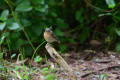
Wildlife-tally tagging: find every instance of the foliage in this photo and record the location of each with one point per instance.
(22, 22)
(48, 76)
(38, 59)
(103, 76)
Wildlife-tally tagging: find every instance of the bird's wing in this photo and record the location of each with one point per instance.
(54, 36)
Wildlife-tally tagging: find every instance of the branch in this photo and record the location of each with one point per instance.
(55, 55)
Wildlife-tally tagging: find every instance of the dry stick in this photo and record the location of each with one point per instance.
(92, 72)
(54, 54)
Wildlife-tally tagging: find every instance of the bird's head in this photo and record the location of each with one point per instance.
(47, 30)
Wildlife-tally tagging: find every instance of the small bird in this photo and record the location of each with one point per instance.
(49, 36)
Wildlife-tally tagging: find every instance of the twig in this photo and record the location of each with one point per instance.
(92, 72)
(103, 61)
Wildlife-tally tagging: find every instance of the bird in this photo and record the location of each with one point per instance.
(49, 36)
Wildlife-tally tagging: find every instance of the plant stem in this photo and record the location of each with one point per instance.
(36, 51)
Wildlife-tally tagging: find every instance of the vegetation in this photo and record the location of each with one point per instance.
(75, 22)
(23, 22)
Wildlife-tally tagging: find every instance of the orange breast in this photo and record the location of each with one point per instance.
(48, 37)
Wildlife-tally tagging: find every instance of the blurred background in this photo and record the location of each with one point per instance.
(78, 24)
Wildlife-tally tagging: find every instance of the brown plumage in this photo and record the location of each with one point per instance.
(49, 36)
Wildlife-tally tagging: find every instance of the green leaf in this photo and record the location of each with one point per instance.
(4, 35)
(71, 40)
(13, 26)
(2, 25)
(110, 3)
(24, 6)
(79, 16)
(103, 76)
(13, 55)
(61, 23)
(39, 2)
(25, 22)
(50, 77)
(4, 15)
(1, 56)
(117, 30)
(63, 47)
(42, 8)
(38, 59)
(17, 68)
(116, 17)
(54, 14)
(118, 47)
(45, 70)
(105, 14)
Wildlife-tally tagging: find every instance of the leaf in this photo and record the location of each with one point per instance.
(39, 2)
(61, 23)
(4, 15)
(50, 77)
(45, 70)
(17, 68)
(42, 8)
(117, 18)
(24, 6)
(4, 35)
(118, 47)
(110, 3)
(54, 14)
(1, 56)
(103, 76)
(2, 25)
(71, 40)
(63, 47)
(79, 16)
(38, 59)
(13, 26)
(105, 14)
(25, 22)
(117, 30)
(13, 55)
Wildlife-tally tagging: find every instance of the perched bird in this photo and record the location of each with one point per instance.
(49, 36)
